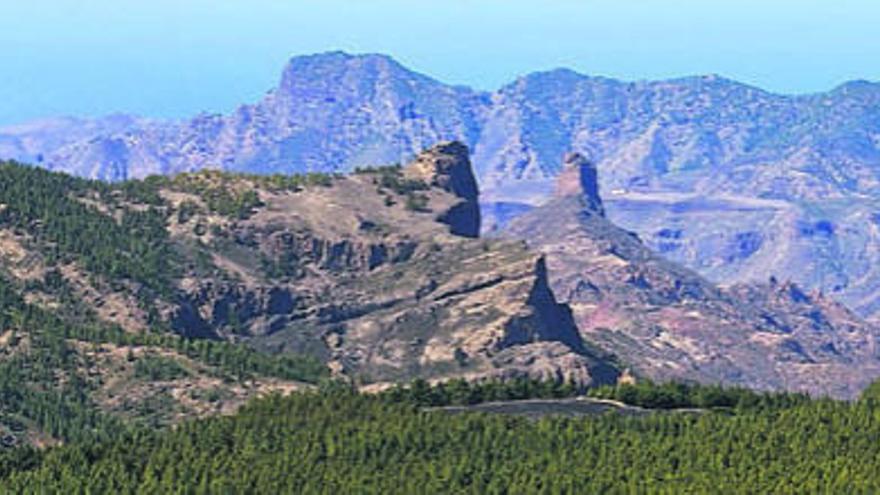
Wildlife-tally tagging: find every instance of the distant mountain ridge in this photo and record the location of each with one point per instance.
(517, 133)
(730, 180)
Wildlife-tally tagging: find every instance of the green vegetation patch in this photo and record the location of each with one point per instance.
(43, 380)
(152, 367)
(391, 178)
(123, 244)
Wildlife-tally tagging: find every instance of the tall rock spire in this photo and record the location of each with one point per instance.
(580, 178)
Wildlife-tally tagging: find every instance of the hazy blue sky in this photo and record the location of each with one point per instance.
(171, 58)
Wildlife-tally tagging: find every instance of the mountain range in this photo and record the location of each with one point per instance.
(734, 182)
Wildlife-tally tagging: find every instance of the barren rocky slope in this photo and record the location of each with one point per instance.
(668, 322)
(377, 274)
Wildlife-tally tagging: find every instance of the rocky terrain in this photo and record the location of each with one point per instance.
(385, 293)
(378, 274)
(380, 277)
(668, 322)
(729, 180)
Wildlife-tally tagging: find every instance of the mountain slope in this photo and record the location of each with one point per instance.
(377, 275)
(667, 322)
(330, 112)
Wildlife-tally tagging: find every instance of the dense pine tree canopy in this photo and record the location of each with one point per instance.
(338, 441)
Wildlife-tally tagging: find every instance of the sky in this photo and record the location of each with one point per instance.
(176, 58)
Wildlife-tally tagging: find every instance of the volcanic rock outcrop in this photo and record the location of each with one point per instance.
(667, 322)
(448, 167)
(580, 178)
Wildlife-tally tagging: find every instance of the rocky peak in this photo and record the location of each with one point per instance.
(447, 166)
(579, 177)
(303, 71)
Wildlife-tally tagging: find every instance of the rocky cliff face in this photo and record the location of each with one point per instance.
(668, 322)
(366, 272)
(732, 181)
(448, 167)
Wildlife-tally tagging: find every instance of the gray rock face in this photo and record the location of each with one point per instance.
(732, 181)
(579, 178)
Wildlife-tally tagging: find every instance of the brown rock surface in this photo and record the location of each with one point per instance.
(579, 178)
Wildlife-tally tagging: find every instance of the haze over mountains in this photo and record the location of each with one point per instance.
(734, 182)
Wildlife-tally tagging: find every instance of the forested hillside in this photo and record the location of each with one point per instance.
(338, 441)
(67, 373)
(63, 381)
